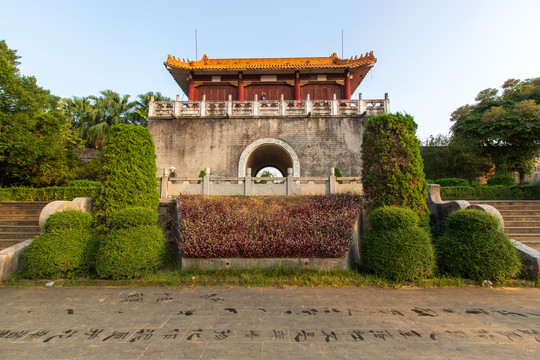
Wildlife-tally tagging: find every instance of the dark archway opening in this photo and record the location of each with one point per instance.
(269, 155)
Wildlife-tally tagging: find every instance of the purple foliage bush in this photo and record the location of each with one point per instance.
(266, 227)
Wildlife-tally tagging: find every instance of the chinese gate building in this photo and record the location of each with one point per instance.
(284, 113)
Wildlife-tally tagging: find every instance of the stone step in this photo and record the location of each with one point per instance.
(524, 238)
(10, 218)
(519, 212)
(29, 222)
(521, 229)
(19, 228)
(533, 222)
(510, 218)
(504, 202)
(18, 235)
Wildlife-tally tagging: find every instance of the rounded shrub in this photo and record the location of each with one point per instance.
(396, 247)
(473, 247)
(68, 219)
(502, 180)
(392, 168)
(134, 216)
(452, 182)
(131, 252)
(60, 253)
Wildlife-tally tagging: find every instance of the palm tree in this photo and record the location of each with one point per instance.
(140, 115)
(108, 110)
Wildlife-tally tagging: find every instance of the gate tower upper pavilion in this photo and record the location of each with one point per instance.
(253, 113)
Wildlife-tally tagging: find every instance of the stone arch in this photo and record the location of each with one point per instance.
(268, 152)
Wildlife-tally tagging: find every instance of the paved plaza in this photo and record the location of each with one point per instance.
(269, 323)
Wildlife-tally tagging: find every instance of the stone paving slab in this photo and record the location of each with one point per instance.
(269, 323)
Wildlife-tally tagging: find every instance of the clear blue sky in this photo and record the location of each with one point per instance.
(433, 56)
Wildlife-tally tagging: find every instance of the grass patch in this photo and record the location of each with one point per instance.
(271, 277)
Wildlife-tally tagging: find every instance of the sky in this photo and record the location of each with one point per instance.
(432, 56)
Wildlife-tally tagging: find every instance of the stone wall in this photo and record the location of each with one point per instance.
(320, 143)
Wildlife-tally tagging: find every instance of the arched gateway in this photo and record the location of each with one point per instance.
(254, 113)
(268, 152)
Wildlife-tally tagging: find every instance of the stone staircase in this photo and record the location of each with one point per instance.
(19, 221)
(521, 219)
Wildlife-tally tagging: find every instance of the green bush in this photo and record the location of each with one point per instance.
(392, 168)
(396, 247)
(68, 219)
(131, 252)
(473, 247)
(82, 183)
(502, 180)
(452, 182)
(522, 192)
(134, 216)
(129, 173)
(60, 253)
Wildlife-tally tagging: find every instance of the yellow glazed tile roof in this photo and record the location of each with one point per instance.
(331, 62)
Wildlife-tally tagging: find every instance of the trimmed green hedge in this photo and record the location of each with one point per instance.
(68, 219)
(134, 216)
(67, 248)
(131, 252)
(46, 194)
(523, 192)
(396, 247)
(473, 247)
(452, 182)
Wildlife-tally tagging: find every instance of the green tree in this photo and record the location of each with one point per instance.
(140, 114)
(392, 169)
(107, 110)
(505, 128)
(452, 157)
(36, 140)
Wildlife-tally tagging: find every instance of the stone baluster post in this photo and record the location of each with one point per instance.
(282, 106)
(151, 106)
(203, 105)
(229, 105)
(177, 106)
(332, 182)
(206, 182)
(361, 104)
(308, 104)
(335, 105)
(386, 103)
(256, 106)
(164, 184)
(248, 184)
(290, 182)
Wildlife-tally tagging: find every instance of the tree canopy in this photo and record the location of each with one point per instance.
(94, 115)
(505, 127)
(36, 140)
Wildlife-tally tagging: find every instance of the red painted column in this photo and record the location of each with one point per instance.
(240, 87)
(347, 89)
(297, 86)
(191, 91)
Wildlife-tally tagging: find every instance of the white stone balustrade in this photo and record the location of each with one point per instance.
(256, 186)
(203, 108)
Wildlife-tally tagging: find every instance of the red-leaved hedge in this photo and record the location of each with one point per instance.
(266, 227)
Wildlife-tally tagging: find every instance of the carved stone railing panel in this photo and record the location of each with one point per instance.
(176, 109)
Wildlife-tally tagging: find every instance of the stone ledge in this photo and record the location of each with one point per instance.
(529, 257)
(253, 263)
(11, 258)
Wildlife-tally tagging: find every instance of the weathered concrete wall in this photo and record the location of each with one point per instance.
(192, 144)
